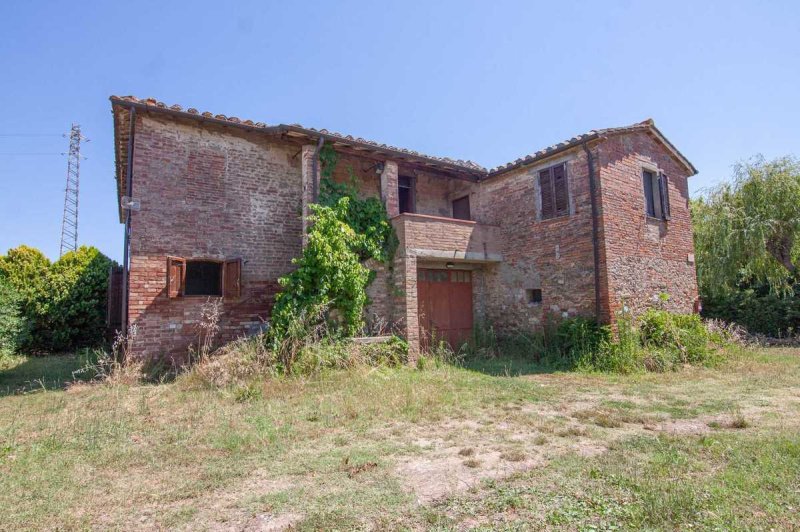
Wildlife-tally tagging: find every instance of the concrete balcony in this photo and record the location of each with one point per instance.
(438, 238)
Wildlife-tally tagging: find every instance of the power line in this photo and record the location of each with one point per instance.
(29, 153)
(31, 135)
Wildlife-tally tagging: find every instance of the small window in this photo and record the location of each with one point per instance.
(554, 191)
(461, 208)
(203, 278)
(656, 194)
(405, 192)
(533, 295)
(461, 276)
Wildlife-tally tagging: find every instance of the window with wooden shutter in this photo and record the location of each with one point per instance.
(664, 188)
(546, 188)
(649, 198)
(176, 273)
(560, 191)
(232, 279)
(554, 191)
(656, 194)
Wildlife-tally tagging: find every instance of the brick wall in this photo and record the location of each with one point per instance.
(644, 257)
(207, 193)
(555, 255)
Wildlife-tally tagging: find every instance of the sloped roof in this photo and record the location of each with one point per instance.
(120, 104)
(356, 142)
(646, 125)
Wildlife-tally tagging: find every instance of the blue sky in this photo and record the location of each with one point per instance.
(478, 80)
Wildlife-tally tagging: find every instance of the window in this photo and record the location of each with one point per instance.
(405, 191)
(460, 276)
(554, 191)
(533, 295)
(203, 277)
(461, 208)
(656, 194)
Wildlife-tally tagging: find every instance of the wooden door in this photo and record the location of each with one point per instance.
(445, 306)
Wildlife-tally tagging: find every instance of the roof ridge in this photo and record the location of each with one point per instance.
(467, 165)
(155, 103)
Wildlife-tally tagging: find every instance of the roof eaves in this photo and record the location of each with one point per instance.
(151, 104)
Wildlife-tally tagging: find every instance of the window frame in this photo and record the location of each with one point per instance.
(554, 192)
(466, 198)
(659, 194)
(176, 277)
(218, 262)
(412, 194)
(531, 296)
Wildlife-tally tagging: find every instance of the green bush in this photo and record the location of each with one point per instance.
(63, 302)
(329, 275)
(683, 336)
(13, 325)
(757, 309)
(657, 341)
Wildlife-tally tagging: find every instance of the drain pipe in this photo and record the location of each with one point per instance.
(595, 230)
(314, 166)
(126, 252)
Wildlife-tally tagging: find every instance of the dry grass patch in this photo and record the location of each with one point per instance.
(385, 448)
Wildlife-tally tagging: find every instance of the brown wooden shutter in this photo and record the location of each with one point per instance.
(176, 273)
(546, 189)
(232, 279)
(560, 190)
(664, 189)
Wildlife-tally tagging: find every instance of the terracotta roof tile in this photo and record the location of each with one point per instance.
(467, 165)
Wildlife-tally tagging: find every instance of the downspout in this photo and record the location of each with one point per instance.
(126, 250)
(595, 230)
(314, 167)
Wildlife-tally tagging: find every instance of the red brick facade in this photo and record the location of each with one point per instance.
(212, 191)
(213, 194)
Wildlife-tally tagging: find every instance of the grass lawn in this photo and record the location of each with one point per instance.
(496, 445)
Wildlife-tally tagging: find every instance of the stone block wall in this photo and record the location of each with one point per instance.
(554, 255)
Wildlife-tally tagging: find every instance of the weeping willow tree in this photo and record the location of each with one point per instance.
(747, 232)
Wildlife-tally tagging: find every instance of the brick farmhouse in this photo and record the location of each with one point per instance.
(215, 206)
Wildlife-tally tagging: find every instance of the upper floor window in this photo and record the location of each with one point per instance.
(656, 194)
(405, 193)
(554, 191)
(461, 208)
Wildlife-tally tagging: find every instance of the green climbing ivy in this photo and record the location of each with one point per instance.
(330, 280)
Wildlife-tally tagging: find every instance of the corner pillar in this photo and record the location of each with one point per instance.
(308, 181)
(406, 303)
(389, 192)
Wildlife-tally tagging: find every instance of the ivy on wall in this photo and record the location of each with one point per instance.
(330, 280)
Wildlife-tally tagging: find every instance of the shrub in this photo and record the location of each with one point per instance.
(63, 302)
(329, 275)
(13, 326)
(657, 341)
(683, 335)
(757, 310)
(77, 285)
(242, 361)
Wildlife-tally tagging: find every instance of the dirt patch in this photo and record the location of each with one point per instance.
(445, 472)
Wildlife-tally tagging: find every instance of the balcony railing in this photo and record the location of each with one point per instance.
(435, 237)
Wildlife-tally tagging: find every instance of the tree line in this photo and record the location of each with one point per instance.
(747, 243)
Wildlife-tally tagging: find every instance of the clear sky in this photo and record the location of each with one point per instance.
(487, 81)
